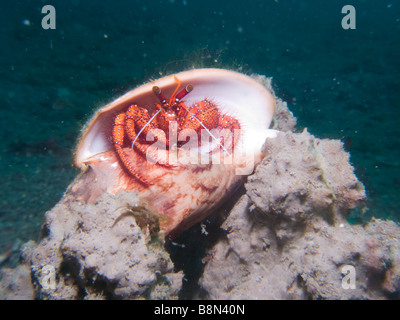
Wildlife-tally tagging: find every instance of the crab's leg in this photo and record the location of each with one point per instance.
(228, 122)
(205, 114)
(140, 117)
(202, 115)
(118, 141)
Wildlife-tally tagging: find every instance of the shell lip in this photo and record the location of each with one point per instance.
(212, 83)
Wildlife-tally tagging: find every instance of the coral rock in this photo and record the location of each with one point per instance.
(287, 238)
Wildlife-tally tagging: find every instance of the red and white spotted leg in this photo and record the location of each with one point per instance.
(118, 141)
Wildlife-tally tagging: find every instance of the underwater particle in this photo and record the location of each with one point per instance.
(26, 22)
(203, 229)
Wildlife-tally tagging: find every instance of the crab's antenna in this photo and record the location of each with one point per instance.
(171, 100)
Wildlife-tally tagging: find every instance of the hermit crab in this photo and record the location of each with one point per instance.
(184, 143)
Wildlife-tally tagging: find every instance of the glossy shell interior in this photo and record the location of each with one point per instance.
(183, 194)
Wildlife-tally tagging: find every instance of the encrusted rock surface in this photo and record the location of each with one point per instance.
(16, 283)
(287, 237)
(98, 251)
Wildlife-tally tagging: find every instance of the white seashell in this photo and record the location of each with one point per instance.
(184, 193)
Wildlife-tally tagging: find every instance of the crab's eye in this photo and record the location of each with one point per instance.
(160, 96)
(184, 92)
